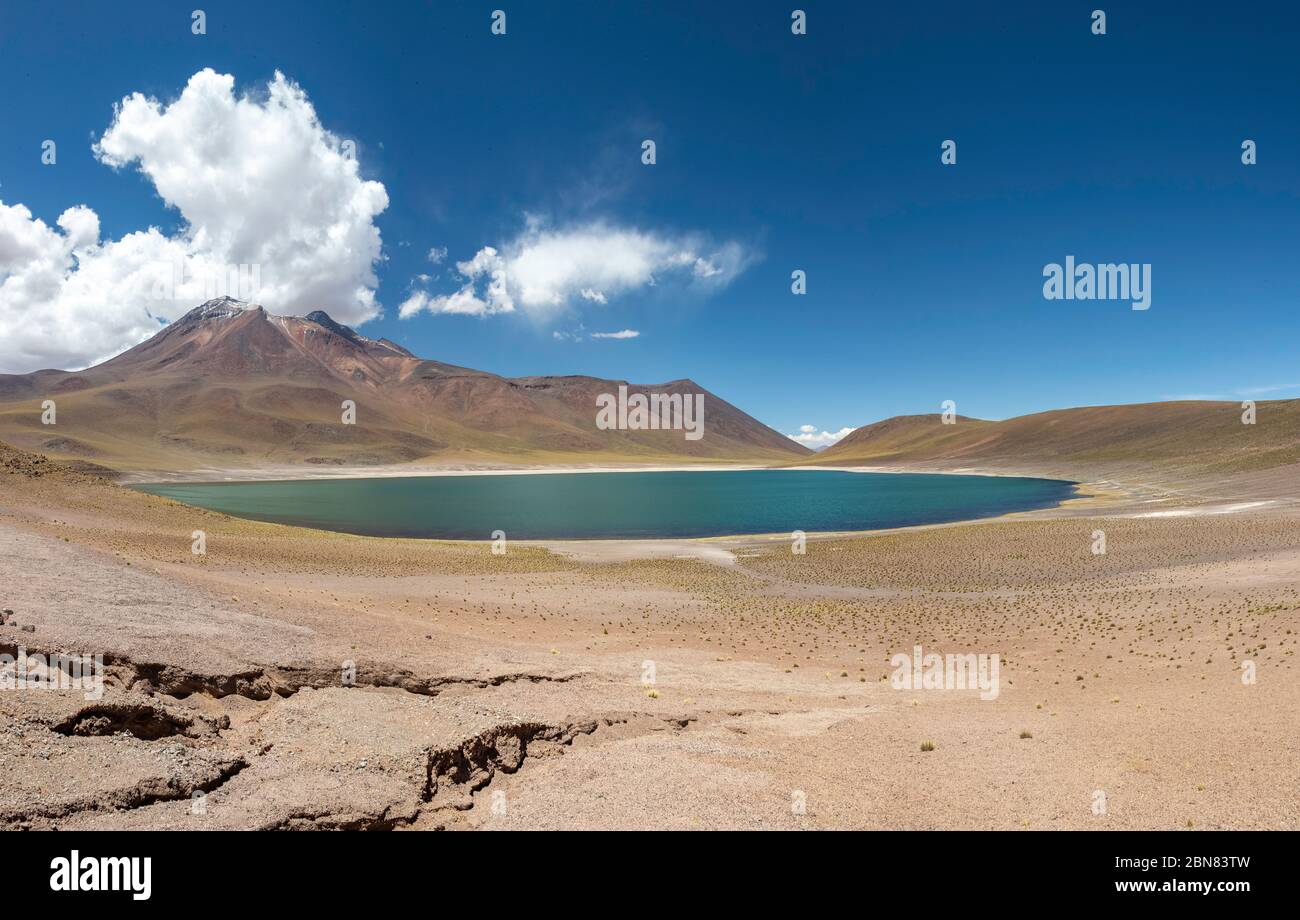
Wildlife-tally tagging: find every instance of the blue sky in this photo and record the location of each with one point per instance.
(818, 152)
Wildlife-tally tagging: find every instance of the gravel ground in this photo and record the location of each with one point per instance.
(295, 679)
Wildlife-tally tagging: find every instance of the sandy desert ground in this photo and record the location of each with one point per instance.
(510, 691)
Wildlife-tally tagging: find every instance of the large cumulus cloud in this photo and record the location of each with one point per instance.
(273, 207)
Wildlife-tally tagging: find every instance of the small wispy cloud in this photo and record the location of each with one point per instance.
(1276, 388)
(621, 334)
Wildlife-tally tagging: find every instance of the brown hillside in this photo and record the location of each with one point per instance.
(1203, 439)
(230, 385)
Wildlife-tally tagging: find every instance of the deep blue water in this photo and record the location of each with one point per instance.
(622, 505)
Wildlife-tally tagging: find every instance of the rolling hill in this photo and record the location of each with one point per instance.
(1193, 439)
(230, 385)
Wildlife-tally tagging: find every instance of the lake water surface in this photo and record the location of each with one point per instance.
(621, 505)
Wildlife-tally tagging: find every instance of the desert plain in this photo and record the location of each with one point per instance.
(297, 679)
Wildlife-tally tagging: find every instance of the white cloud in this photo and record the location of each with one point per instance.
(437, 254)
(579, 333)
(543, 270)
(1275, 388)
(258, 182)
(809, 436)
(413, 305)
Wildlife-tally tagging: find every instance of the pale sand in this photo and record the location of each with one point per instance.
(516, 681)
(1202, 510)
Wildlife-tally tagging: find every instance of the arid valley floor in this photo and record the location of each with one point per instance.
(506, 691)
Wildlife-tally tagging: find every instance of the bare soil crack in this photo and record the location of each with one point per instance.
(145, 721)
(455, 773)
(263, 683)
(152, 791)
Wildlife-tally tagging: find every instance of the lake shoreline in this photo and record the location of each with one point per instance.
(753, 504)
(299, 474)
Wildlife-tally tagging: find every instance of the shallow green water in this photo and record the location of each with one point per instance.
(614, 505)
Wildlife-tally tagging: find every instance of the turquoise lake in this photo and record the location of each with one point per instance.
(621, 505)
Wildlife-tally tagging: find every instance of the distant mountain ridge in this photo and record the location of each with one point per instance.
(229, 384)
(1200, 439)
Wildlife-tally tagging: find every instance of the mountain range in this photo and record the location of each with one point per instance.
(231, 385)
